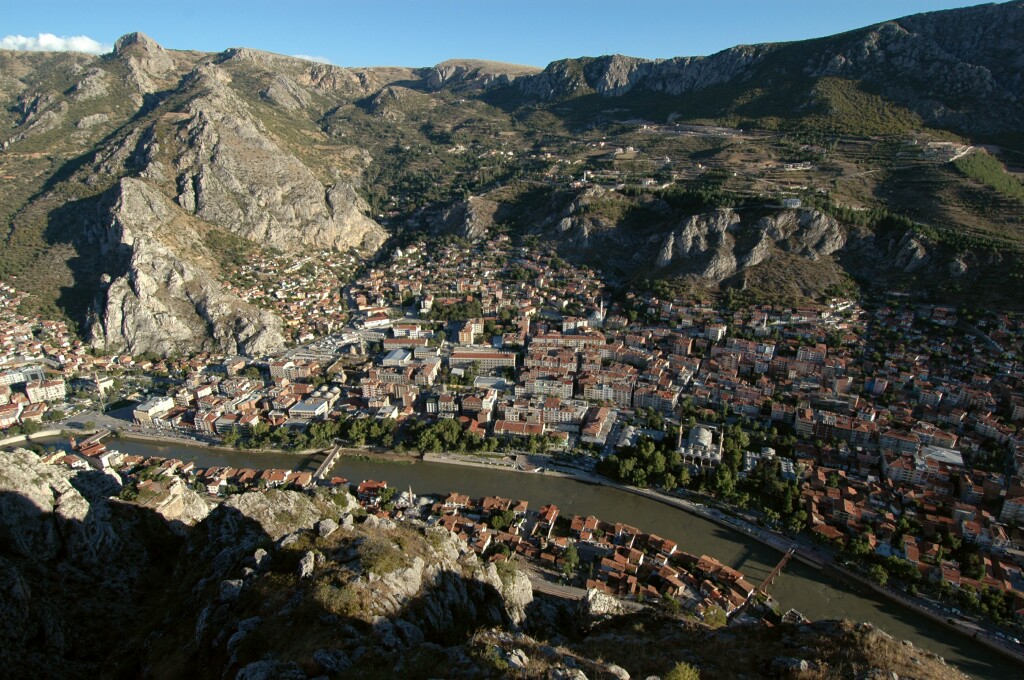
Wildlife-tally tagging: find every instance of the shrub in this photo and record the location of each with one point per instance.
(341, 600)
(683, 671)
(380, 556)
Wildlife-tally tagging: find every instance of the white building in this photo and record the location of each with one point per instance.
(45, 390)
(700, 449)
(157, 406)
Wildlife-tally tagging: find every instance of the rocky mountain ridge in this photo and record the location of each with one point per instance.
(132, 177)
(956, 68)
(795, 252)
(198, 158)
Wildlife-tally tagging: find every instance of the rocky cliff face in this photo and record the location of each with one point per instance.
(952, 61)
(151, 68)
(795, 252)
(69, 555)
(716, 246)
(470, 219)
(230, 173)
(177, 125)
(617, 75)
(473, 74)
(160, 300)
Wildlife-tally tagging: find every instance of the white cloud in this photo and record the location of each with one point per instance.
(320, 60)
(48, 42)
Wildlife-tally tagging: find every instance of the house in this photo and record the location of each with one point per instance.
(369, 491)
(546, 517)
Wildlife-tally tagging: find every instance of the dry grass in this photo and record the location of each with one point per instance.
(833, 650)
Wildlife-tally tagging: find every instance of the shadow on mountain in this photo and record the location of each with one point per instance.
(73, 583)
(238, 606)
(106, 589)
(77, 225)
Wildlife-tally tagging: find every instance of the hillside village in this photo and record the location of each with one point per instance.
(885, 428)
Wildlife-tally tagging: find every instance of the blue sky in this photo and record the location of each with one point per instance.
(424, 32)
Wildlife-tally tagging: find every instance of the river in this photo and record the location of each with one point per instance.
(799, 586)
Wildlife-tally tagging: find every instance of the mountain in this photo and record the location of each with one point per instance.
(957, 69)
(136, 184)
(285, 584)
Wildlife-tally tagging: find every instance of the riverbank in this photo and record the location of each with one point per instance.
(962, 627)
(22, 438)
(187, 441)
(773, 541)
(379, 456)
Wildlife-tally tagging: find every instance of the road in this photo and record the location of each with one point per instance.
(984, 633)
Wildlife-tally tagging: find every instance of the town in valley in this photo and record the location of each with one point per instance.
(876, 433)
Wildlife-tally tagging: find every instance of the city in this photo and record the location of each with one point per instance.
(851, 428)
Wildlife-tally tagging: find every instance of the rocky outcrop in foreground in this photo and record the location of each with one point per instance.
(283, 584)
(74, 566)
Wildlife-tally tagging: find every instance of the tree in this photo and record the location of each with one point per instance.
(858, 547)
(715, 617)
(570, 561)
(502, 520)
(231, 437)
(878, 574)
(53, 416)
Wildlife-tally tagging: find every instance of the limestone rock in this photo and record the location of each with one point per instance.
(307, 564)
(179, 505)
(474, 74)
(149, 64)
(326, 527)
(566, 674)
(233, 174)
(518, 660)
(262, 558)
(470, 219)
(286, 93)
(275, 512)
(271, 670)
(374, 522)
(332, 661)
(162, 302)
(92, 120)
(597, 606)
(617, 671)
(93, 84)
(230, 590)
